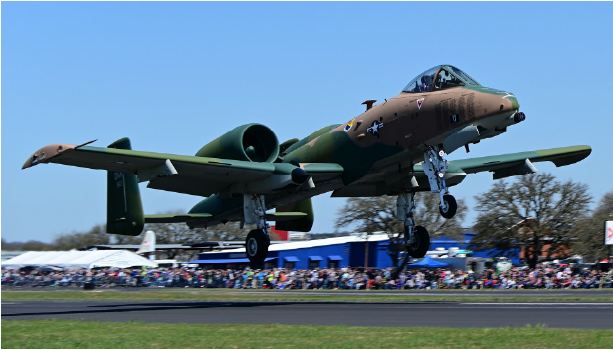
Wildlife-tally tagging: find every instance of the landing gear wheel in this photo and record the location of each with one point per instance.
(421, 242)
(451, 206)
(257, 246)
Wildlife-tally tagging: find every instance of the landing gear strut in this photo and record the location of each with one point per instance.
(254, 210)
(435, 167)
(416, 238)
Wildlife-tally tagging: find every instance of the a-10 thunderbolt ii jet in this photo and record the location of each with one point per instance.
(394, 148)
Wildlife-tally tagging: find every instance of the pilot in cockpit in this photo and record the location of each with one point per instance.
(426, 83)
(446, 80)
(439, 78)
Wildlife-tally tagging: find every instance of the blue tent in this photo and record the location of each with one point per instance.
(428, 262)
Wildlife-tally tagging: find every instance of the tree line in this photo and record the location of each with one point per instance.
(538, 212)
(547, 217)
(165, 234)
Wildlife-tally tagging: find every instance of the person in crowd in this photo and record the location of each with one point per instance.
(542, 277)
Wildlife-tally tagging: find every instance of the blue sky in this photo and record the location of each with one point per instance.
(174, 76)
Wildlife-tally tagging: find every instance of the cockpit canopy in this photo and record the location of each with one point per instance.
(439, 78)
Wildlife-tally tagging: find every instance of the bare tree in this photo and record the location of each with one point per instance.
(533, 212)
(378, 214)
(122, 239)
(175, 233)
(231, 232)
(168, 233)
(179, 233)
(590, 230)
(29, 245)
(96, 235)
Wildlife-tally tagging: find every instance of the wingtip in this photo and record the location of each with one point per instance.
(582, 148)
(587, 148)
(45, 154)
(572, 155)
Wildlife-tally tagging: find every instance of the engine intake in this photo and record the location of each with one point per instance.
(249, 142)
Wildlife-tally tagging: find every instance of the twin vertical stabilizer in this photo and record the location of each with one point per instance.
(124, 207)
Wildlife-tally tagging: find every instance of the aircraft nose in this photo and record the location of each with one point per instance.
(508, 103)
(511, 98)
(511, 104)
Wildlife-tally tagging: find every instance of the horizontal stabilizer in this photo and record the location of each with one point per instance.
(157, 219)
(285, 216)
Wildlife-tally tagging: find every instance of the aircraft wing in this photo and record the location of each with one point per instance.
(200, 176)
(501, 165)
(521, 163)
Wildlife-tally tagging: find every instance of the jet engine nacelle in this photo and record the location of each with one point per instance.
(249, 142)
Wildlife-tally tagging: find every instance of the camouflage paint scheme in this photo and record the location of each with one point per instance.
(376, 153)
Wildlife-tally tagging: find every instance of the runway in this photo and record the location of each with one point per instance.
(457, 315)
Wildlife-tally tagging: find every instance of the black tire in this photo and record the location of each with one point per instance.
(421, 243)
(256, 246)
(451, 204)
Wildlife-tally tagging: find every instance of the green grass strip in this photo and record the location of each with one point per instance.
(71, 334)
(318, 297)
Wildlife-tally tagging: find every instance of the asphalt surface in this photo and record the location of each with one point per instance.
(458, 315)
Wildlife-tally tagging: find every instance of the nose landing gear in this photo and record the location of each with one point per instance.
(448, 207)
(435, 167)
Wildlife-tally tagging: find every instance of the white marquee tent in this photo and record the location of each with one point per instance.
(80, 259)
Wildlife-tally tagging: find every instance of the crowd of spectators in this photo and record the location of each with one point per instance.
(542, 277)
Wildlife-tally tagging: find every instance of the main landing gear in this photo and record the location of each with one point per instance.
(257, 240)
(416, 238)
